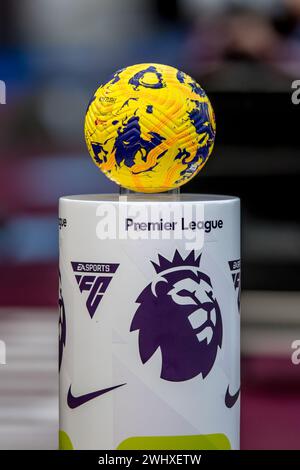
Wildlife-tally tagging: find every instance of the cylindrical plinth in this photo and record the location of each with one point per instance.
(149, 350)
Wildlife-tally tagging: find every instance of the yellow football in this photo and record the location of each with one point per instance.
(150, 128)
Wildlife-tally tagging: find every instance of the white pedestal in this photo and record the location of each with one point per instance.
(149, 321)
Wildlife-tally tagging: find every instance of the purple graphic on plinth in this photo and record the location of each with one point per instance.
(235, 268)
(76, 401)
(179, 314)
(93, 278)
(62, 326)
(230, 400)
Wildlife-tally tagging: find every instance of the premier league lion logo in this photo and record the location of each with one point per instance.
(179, 314)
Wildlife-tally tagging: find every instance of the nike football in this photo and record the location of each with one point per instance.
(150, 128)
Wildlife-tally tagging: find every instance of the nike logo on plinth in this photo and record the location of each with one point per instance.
(230, 400)
(74, 402)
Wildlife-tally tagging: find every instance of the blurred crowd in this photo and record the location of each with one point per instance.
(245, 53)
(54, 53)
(247, 47)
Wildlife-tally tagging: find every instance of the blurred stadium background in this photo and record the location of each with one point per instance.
(53, 54)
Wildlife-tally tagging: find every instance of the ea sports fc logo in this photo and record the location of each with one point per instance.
(93, 278)
(179, 314)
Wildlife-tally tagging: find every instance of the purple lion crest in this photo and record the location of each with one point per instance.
(179, 314)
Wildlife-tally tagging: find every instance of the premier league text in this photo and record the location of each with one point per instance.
(62, 222)
(160, 225)
(156, 221)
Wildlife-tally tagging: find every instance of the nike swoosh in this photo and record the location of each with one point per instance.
(230, 400)
(74, 402)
